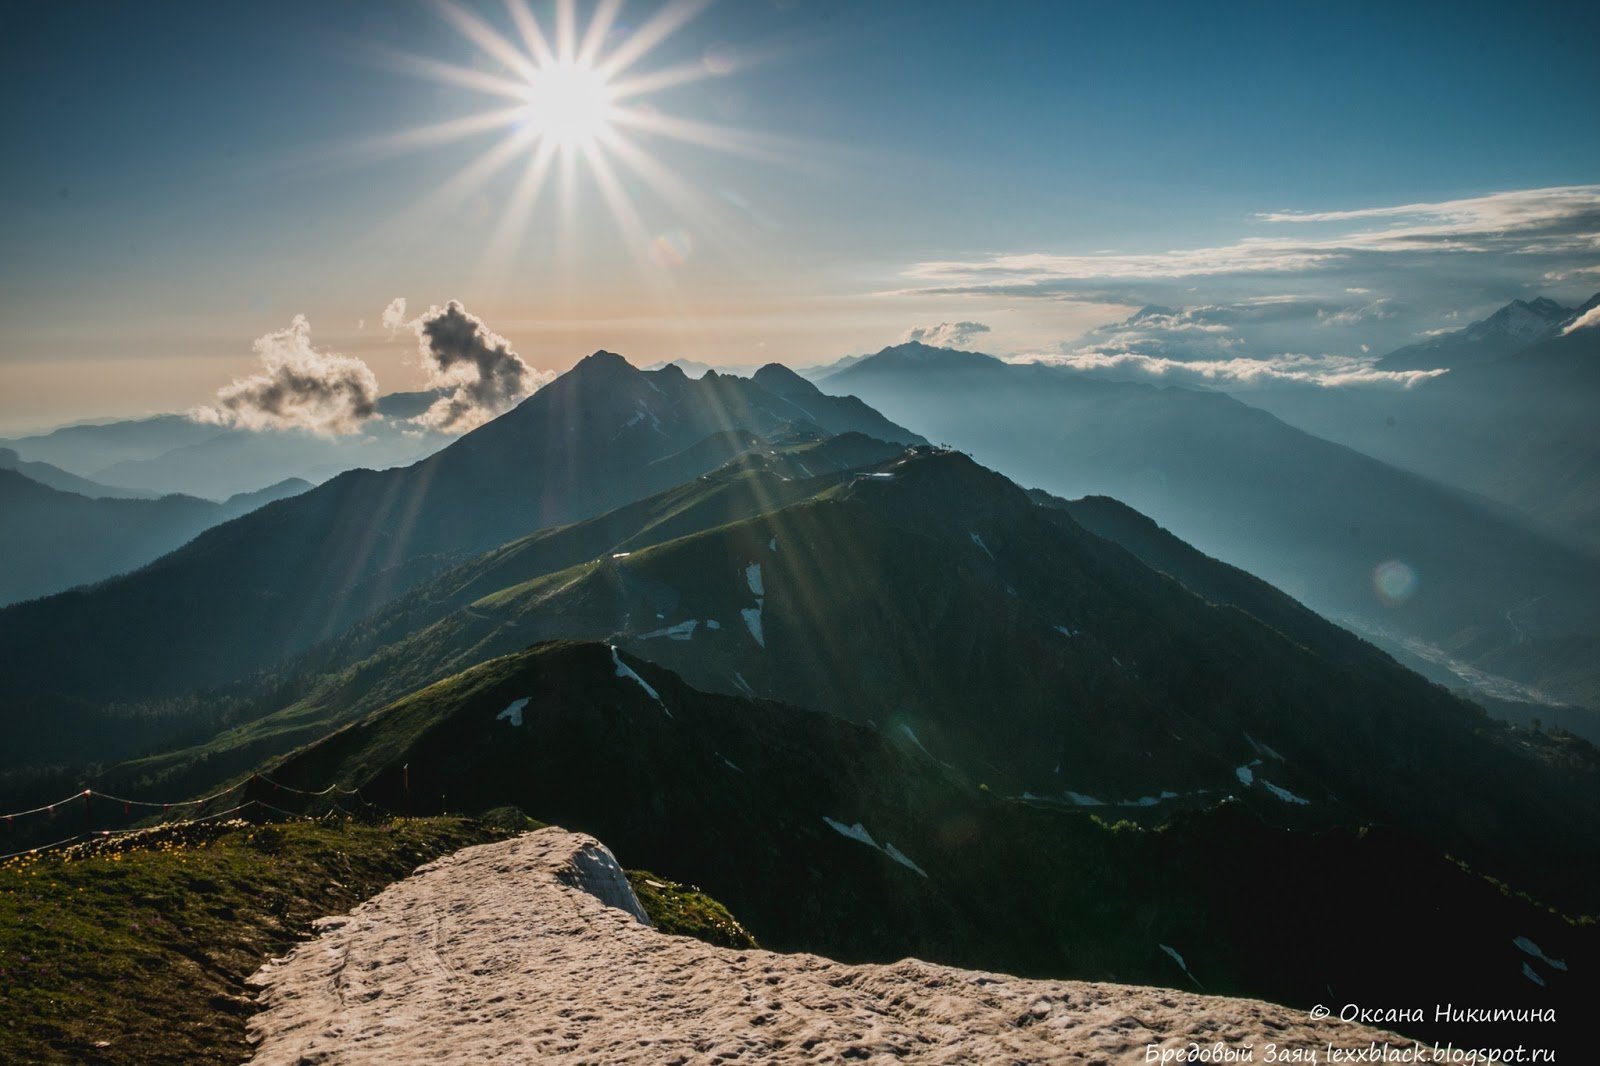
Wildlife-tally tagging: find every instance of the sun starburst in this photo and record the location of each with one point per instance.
(574, 105)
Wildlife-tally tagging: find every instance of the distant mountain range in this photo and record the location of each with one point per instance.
(1319, 520)
(175, 454)
(65, 481)
(51, 540)
(1513, 420)
(1510, 329)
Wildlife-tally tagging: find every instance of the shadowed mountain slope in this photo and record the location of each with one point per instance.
(828, 836)
(52, 540)
(1002, 641)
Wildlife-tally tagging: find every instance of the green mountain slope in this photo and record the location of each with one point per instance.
(999, 640)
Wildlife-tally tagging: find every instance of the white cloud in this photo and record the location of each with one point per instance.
(1318, 370)
(945, 334)
(299, 387)
(1552, 224)
(1588, 320)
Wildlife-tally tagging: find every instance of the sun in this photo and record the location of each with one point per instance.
(573, 106)
(570, 104)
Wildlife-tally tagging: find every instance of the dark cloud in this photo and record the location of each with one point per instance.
(483, 376)
(299, 387)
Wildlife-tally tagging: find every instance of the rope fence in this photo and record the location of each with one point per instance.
(17, 820)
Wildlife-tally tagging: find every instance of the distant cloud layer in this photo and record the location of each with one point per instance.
(299, 387)
(1331, 282)
(1319, 370)
(461, 354)
(945, 334)
(1557, 222)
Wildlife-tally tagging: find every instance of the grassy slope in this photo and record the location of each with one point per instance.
(137, 951)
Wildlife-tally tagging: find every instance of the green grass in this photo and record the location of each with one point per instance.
(137, 950)
(686, 911)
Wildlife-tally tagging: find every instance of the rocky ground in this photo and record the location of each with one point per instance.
(534, 949)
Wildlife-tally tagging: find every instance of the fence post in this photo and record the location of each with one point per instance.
(88, 813)
(405, 784)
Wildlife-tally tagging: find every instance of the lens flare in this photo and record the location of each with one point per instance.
(1394, 582)
(671, 249)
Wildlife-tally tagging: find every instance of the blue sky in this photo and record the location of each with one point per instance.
(185, 178)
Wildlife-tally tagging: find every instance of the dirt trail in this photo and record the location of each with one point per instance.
(505, 953)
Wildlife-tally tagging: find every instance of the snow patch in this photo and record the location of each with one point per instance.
(979, 542)
(681, 631)
(1149, 801)
(752, 622)
(1285, 795)
(620, 555)
(1245, 774)
(514, 712)
(1080, 800)
(1067, 632)
(900, 857)
(1528, 972)
(1184, 966)
(624, 670)
(772, 545)
(744, 686)
(712, 623)
(1263, 749)
(752, 577)
(1530, 948)
(729, 763)
(908, 731)
(856, 832)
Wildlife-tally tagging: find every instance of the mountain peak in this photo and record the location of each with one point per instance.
(782, 381)
(603, 358)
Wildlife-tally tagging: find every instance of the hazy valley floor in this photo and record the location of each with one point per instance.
(505, 952)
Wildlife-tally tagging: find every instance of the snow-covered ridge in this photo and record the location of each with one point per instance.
(501, 954)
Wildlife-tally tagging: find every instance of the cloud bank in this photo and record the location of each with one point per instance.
(299, 387)
(1588, 320)
(1323, 371)
(1556, 222)
(944, 334)
(459, 353)
(1316, 281)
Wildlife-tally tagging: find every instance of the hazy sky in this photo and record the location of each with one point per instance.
(181, 179)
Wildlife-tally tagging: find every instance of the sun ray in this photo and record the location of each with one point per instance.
(435, 134)
(468, 180)
(486, 37)
(518, 214)
(680, 194)
(449, 73)
(729, 139)
(657, 28)
(566, 31)
(532, 35)
(668, 78)
(594, 38)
